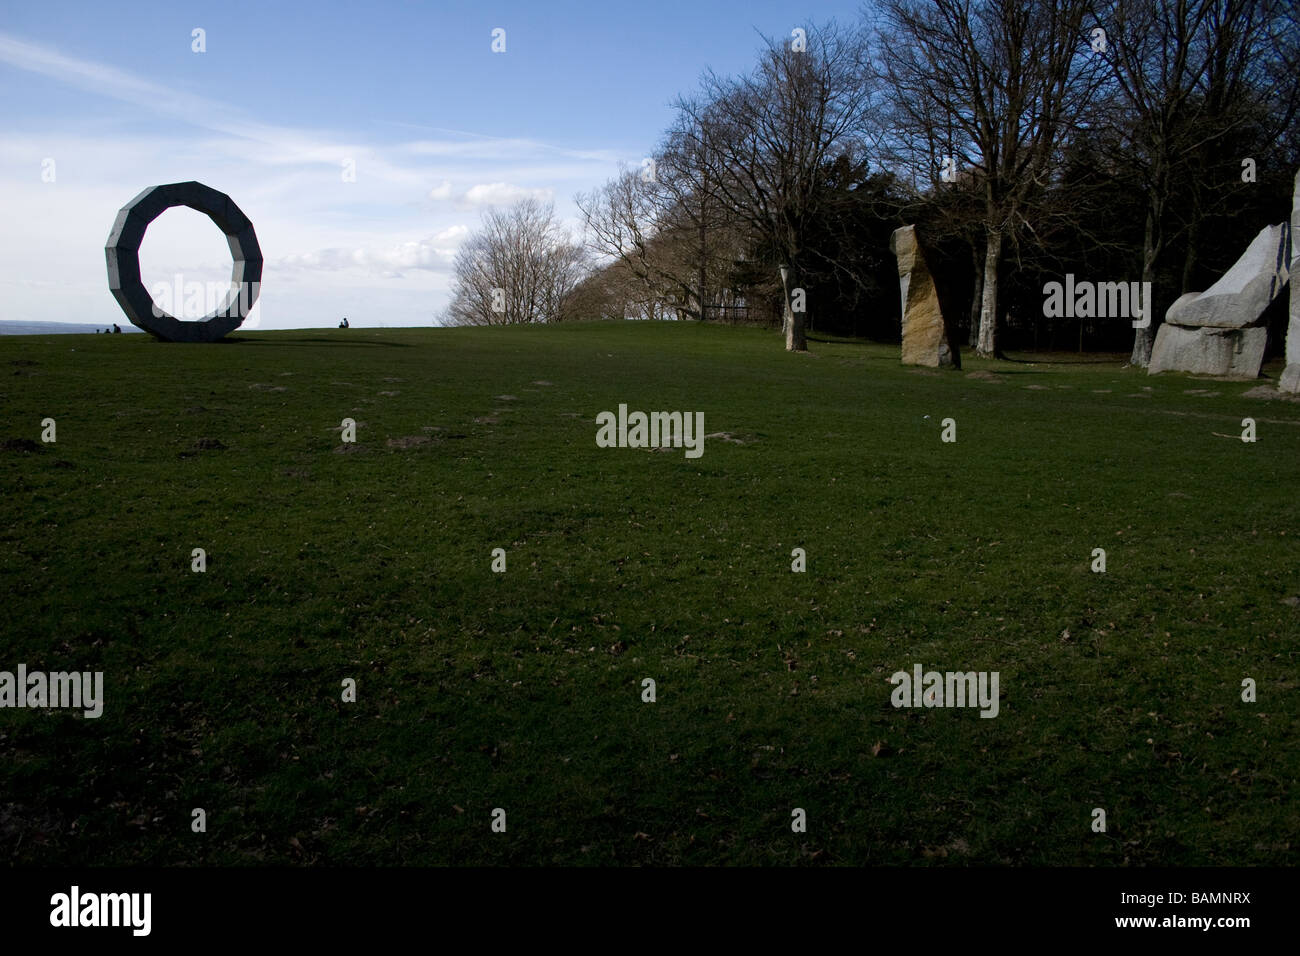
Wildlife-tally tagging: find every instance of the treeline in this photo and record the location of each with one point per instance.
(1115, 140)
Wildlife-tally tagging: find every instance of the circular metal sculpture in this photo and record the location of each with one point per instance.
(123, 255)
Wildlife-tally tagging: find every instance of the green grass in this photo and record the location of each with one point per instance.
(523, 690)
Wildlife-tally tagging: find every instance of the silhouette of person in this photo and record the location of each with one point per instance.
(116, 328)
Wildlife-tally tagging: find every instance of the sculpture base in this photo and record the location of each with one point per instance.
(1234, 353)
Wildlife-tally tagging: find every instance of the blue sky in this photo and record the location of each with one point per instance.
(437, 127)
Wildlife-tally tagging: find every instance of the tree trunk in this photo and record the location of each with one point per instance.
(795, 341)
(987, 347)
(1190, 261)
(976, 295)
(700, 290)
(1143, 339)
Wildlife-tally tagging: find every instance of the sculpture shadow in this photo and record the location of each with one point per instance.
(1021, 357)
(317, 340)
(828, 339)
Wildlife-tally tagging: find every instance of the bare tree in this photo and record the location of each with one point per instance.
(760, 145)
(620, 222)
(996, 85)
(710, 236)
(1188, 76)
(519, 268)
(659, 230)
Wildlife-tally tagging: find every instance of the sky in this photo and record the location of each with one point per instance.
(363, 140)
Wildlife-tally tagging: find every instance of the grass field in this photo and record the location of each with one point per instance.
(523, 691)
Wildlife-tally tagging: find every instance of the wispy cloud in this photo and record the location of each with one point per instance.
(434, 254)
(401, 217)
(489, 194)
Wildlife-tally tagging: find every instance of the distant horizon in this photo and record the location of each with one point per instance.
(69, 327)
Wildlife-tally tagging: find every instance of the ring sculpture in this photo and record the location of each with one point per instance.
(123, 255)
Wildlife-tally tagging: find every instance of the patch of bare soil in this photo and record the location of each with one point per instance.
(409, 441)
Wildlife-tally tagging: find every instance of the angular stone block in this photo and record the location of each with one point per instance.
(1242, 294)
(1237, 353)
(122, 256)
(1290, 381)
(925, 334)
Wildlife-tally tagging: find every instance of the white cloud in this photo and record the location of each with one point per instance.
(432, 253)
(503, 194)
(488, 194)
(452, 237)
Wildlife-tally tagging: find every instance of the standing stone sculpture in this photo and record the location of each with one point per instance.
(123, 256)
(1220, 331)
(1290, 381)
(925, 334)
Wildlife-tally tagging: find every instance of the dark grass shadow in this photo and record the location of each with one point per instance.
(827, 339)
(317, 340)
(1003, 369)
(1065, 359)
